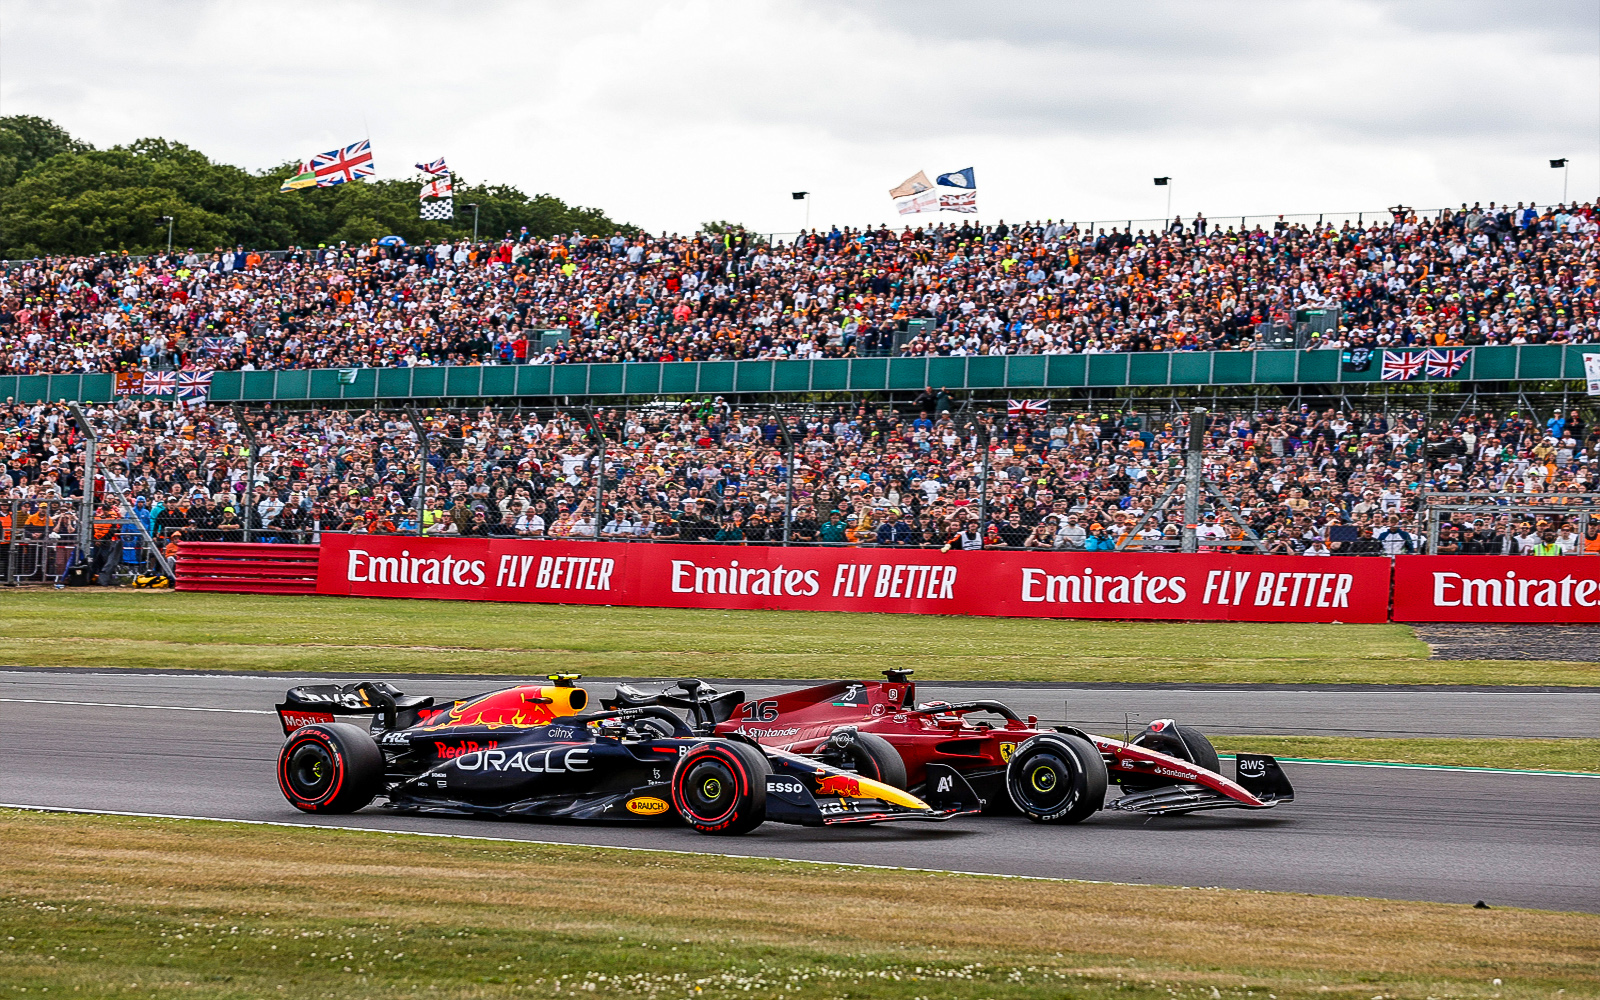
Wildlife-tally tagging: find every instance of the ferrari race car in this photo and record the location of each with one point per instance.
(532, 751)
(1055, 774)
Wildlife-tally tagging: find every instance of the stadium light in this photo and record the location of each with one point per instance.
(168, 220)
(1561, 165)
(1166, 182)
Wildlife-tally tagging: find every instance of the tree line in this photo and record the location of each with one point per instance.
(60, 195)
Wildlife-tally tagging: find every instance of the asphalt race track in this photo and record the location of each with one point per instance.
(78, 740)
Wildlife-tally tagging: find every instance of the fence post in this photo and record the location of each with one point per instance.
(984, 438)
(1191, 480)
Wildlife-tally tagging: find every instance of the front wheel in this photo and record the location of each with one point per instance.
(1056, 778)
(330, 767)
(721, 788)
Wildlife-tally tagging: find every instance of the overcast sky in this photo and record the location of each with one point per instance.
(667, 114)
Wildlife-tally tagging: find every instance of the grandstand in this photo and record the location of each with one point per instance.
(839, 388)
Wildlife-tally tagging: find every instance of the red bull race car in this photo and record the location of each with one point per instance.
(532, 751)
(1056, 774)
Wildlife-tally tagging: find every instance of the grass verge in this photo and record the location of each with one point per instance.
(1530, 754)
(248, 632)
(109, 906)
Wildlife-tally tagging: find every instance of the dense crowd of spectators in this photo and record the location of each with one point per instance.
(1495, 275)
(933, 475)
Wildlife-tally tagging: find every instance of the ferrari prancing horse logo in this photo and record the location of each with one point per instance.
(1006, 750)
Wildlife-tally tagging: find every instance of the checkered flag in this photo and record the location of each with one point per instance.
(444, 208)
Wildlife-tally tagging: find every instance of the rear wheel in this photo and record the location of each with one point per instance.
(867, 754)
(331, 767)
(1056, 778)
(722, 787)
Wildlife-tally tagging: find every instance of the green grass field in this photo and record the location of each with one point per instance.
(116, 907)
(238, 632)
(1524, 755)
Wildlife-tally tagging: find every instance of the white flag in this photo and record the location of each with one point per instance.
(927, 201)
(1591, 373)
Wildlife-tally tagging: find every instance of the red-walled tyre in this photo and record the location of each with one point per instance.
(721, 788)
(330, 767)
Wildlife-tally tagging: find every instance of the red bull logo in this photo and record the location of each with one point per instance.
(445, 751)
(839, 784)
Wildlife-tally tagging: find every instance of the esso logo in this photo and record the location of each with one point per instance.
(787, 786)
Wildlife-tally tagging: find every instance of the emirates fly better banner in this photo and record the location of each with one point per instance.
(1496, 589)
(1042, 584)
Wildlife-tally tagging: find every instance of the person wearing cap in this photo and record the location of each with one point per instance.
(1099, 539)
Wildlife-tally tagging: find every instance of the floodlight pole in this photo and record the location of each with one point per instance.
(168, 220)
(1191, 480)
(474, 206)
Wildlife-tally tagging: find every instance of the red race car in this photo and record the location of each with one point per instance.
(1057, 774)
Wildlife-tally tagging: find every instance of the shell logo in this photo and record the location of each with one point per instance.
(647, 805)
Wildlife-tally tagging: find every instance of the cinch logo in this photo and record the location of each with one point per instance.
(364, 567)
(1451, 590)
(687, 578)
(647, 805)
(1039, 586)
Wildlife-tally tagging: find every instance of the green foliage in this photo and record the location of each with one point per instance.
(720, 227)
(26, 142)
(58, 195)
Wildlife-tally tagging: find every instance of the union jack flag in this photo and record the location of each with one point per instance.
(1027, 407)
(194, 385)
(1444, 363)
(436, 167)
(341, 166)
(159, 383)
(215, 345)
(1398, 367)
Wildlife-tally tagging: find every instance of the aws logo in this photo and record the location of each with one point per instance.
(647, 805)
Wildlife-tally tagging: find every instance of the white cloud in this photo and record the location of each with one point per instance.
(671, 113)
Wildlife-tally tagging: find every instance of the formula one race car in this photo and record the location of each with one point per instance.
(1049, 775)
(531, 751)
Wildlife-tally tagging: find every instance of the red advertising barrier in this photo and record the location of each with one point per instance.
(1496, 589)
(1038, 584)
(246, 568)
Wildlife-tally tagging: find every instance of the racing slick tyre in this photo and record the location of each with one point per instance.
(722, 787)
(1056, 778)
(330, 767)
(1183, 742)
(868, 755)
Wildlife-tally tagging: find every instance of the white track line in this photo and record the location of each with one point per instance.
(162, 708)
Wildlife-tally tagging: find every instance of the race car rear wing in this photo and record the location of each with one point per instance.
(313, 703)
